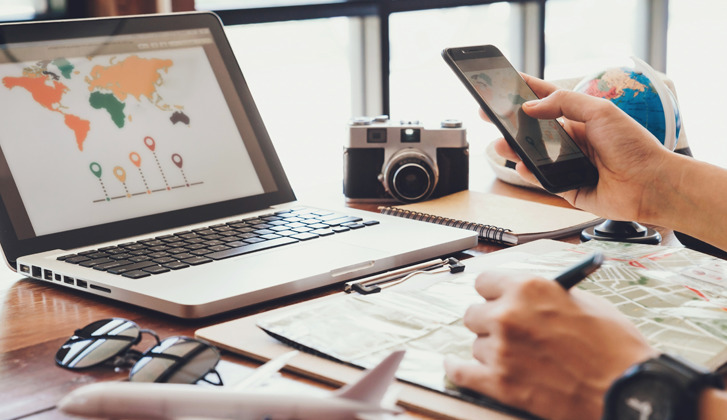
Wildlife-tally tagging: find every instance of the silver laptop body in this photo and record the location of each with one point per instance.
(127, 142)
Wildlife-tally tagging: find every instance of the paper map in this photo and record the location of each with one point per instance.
(675, 296)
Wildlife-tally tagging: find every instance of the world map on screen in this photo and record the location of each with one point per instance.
(111, 85)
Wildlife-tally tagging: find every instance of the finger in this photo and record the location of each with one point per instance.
(483, 351)
(571, 196)
(503, 149)
(562, 103)
(484, 116)
(476, 318)
(525, 174)
(492, 284)
(471, 375)
(539, 86)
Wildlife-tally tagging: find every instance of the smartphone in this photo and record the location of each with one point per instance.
(543, 145)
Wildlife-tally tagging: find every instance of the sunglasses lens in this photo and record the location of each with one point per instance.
(97, 342)
(176, 360)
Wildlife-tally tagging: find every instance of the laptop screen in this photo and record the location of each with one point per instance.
(121, 122)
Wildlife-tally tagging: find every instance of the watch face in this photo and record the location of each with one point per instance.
(647, 398)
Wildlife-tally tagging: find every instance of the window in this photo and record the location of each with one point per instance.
(21, 9)
(312, 65)
(696, 62)
(299, 75)
(422, 85)
(584, 36)
(581, 37)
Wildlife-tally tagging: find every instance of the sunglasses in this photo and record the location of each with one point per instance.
(173, 360)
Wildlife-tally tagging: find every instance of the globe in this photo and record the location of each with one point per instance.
(640, 93)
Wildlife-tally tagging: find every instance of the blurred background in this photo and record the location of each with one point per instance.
(313, 65)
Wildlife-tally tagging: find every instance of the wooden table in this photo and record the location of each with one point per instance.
(36, 318)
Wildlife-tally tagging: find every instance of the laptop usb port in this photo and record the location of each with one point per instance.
(24, 269)
(67, 280)
(81, 283)
(48, 275)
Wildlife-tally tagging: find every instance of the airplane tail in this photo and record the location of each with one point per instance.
(372, 387)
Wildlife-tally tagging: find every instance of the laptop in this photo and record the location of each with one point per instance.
(135, 166)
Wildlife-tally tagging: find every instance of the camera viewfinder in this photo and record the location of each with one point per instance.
(410, 135)
(376, 135)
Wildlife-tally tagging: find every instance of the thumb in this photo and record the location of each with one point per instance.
(564, 103)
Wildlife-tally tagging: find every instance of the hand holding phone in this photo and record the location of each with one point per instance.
(543, 145)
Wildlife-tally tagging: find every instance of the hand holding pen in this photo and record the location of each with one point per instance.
(526, 323)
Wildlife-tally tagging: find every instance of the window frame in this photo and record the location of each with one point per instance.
(372, 38)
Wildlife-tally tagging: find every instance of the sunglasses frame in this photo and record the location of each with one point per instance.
(126, 354)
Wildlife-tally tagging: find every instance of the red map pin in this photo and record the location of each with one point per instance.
(177, 159)
(150, 143)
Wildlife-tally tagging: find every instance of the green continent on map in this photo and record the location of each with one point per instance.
(113, 106)
(64, 66)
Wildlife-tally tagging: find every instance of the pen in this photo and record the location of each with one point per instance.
(374, 283)
(580, 271)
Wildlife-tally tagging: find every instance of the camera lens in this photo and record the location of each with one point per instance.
(409, 176)
(411, 181)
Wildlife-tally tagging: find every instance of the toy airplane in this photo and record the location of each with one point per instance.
(133, 400)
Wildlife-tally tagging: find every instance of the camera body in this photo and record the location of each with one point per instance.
(384, 161)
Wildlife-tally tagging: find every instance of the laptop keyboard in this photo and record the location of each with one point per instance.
(200, 246)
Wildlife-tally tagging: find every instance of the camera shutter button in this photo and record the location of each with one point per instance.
(361, 121)
(451, 124)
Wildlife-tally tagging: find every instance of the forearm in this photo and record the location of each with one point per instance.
(713, 404)
(690, 196)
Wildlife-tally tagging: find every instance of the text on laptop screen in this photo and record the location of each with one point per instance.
(108, 128)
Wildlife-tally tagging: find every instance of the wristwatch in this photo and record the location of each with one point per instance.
(663, 388)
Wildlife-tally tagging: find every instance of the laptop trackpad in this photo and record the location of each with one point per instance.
(308, 264)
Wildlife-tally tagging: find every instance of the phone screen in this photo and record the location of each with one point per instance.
(543, 145)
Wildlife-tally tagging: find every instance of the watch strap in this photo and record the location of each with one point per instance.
(689, 378)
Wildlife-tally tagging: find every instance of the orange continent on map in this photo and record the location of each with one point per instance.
(80, 128)
(49, 96)
(133, 76)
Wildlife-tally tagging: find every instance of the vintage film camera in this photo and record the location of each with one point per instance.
(406, 162)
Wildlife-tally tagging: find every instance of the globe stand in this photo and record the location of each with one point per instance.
(619, 231)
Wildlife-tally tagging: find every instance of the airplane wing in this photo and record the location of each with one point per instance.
(264, 372)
